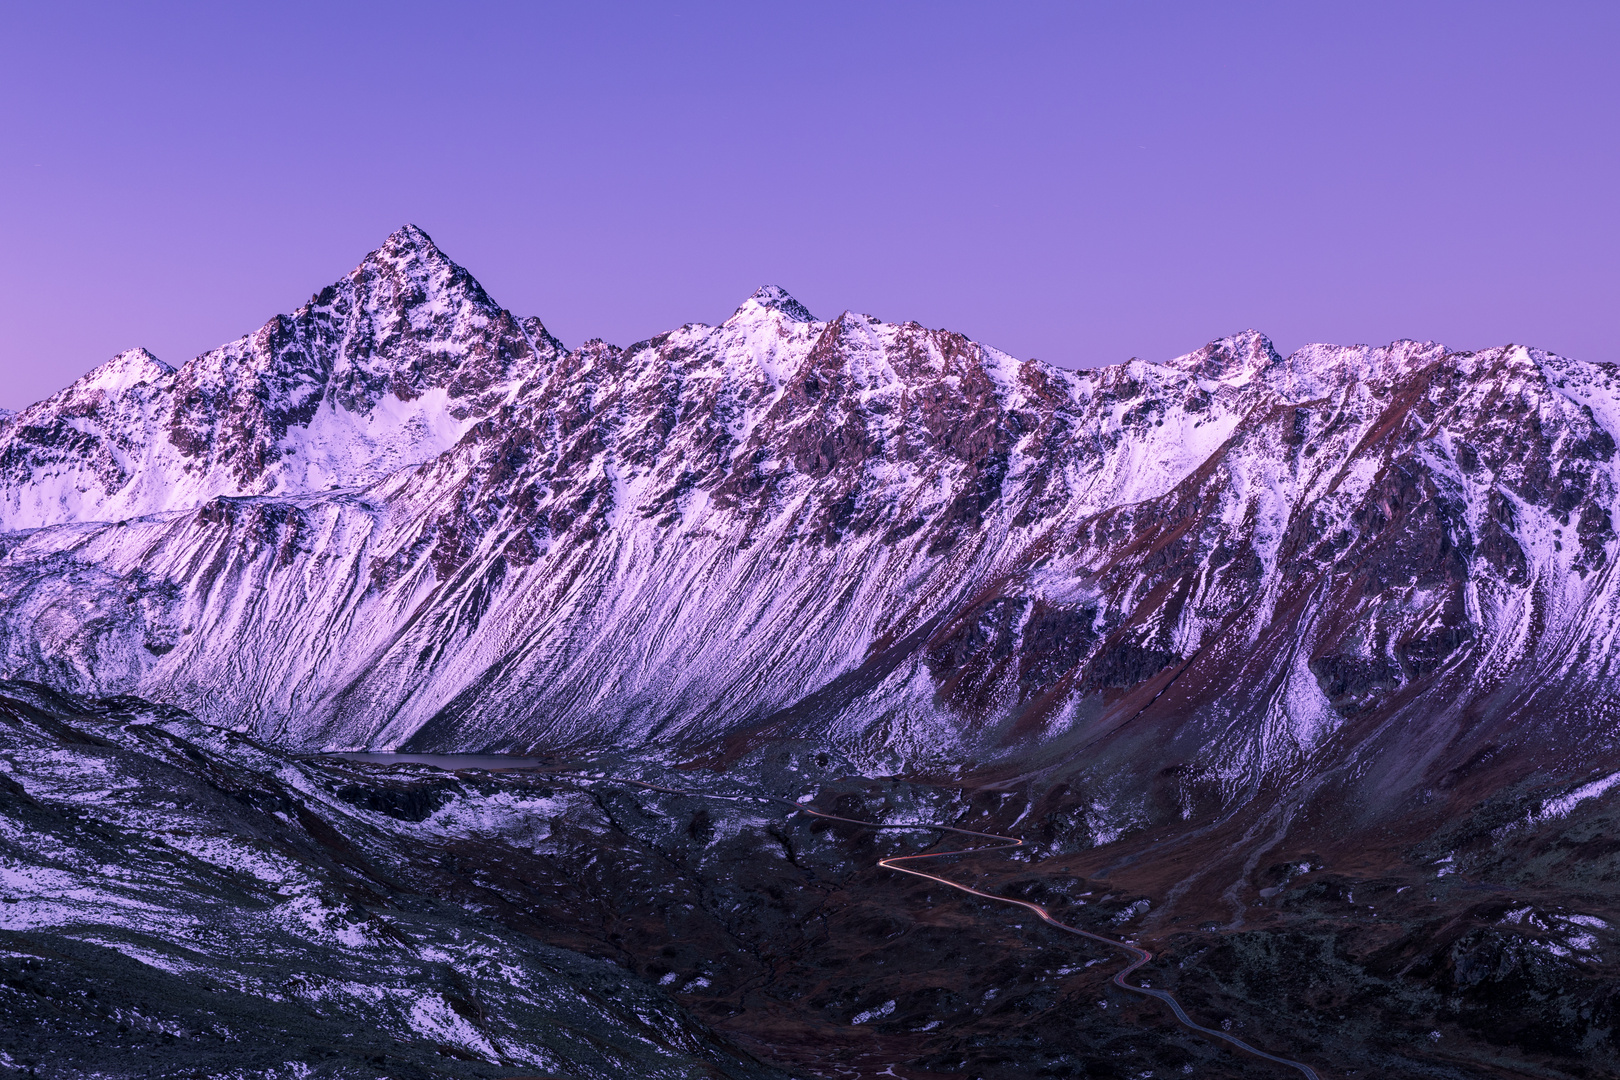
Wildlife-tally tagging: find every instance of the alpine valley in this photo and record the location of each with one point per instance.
(1299, 671)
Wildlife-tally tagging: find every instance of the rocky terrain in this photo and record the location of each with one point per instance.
(179, 900)
(1238, 641)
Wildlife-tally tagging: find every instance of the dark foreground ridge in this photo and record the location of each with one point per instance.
(181, 899)
(1139, 956)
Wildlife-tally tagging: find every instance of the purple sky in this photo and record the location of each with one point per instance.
(1081, 183)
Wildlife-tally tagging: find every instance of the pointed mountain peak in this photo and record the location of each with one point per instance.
(1233, 359)
(129, 368)
(408, 249)
(139, 360)
(409, 269)
(408, 240)
(773, 298)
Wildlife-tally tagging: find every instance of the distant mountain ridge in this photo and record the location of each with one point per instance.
(404, 517)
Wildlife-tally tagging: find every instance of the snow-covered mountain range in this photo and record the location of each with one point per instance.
(403, 517)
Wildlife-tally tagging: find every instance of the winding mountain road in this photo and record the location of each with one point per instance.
(1139, 956)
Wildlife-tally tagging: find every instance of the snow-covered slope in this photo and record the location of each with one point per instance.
(403, 517)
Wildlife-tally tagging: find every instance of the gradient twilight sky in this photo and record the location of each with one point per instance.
(1078, 182)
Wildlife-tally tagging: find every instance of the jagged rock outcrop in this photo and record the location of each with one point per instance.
(402, 517)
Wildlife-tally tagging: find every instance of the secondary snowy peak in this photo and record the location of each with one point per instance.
(1319, 370)
(132, 367)
(1249, 360)
(769, 298)
(1233, 360)
(130, 370)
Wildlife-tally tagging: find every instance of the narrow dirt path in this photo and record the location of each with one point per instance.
(1139, 956)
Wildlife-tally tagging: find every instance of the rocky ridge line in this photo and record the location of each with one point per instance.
(402, 517)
